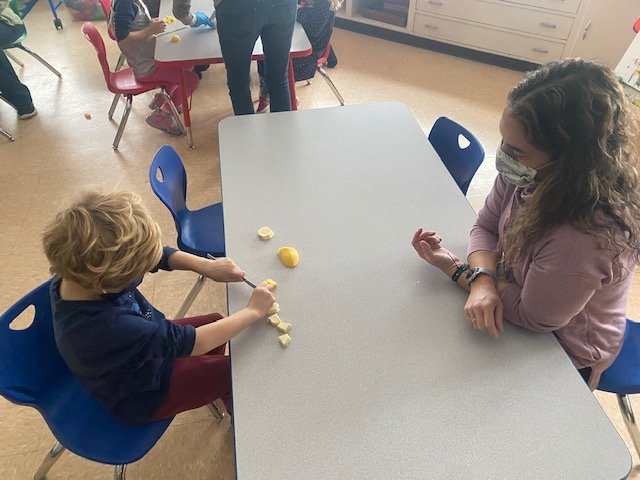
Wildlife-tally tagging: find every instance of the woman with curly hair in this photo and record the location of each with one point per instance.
(556, 242)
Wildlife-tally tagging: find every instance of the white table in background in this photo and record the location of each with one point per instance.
(200, 46)
(383, 378)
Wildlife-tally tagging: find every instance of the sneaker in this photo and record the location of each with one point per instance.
(164, 121)
(157, 102)
(263, 104)
(28, 114)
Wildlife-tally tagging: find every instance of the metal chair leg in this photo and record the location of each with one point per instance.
(217, 412)
(6, 134)
(40, 59)
(123, 122)
(48, 461)
(15, 59)
(120, 62)
(120, 472)
(629, 420)
(195, 290)
(330, 83)
(174, 112)
(114, 104)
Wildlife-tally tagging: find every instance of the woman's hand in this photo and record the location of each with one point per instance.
(222, 270)
(484, 307)
(261, 299)
(427, 244)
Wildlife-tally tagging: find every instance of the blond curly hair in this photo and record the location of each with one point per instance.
(103, 240)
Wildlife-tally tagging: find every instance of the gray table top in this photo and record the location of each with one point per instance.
(201, 45)
(383, 378)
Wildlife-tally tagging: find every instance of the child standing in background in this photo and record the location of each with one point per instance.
(142, 366)
(317, 18)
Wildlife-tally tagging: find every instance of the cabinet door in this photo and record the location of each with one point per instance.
(606, 31)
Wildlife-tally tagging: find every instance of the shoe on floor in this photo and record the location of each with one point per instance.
(157, 102)
(28, 114)
(164, 121)
(263, 104)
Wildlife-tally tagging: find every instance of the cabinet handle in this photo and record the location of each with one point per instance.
(548, 24)
(435, 2)
(431, 26)
(586, 29)
(540, 50)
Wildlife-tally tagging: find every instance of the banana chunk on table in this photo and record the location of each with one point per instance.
(274, 319)
(175, 38)
(275, 308)
(284, 327)
(265, 233)
(284, 340)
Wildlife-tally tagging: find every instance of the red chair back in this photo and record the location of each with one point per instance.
(636, 26)
(325, 55)
(92, 34)
(106, 9)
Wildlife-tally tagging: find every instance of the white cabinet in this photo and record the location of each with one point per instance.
(536, 31)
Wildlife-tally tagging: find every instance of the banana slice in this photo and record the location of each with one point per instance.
(289, 256)
(271, 282)
(265, 233)
(175, 38)
(275, 308)
(284, 327)
(274, 320)
(169, 19)
(284, 340)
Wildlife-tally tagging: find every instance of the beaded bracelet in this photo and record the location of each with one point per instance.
(459, 271)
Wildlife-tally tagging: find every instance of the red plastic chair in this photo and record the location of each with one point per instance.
(636, 26)
(106, 9)
(123, 82)
(320, 69)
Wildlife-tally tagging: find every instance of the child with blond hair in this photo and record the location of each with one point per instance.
(142, 366)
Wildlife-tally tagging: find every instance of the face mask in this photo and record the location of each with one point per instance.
(514, 172)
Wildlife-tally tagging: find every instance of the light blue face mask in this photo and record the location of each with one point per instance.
(514, 172)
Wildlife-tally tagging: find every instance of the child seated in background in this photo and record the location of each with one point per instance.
(317, 18)
(134, 30)
(142, 366)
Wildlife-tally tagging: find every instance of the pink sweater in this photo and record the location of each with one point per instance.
(565, 285)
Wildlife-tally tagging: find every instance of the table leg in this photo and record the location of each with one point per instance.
(185, 108)
(292, 86)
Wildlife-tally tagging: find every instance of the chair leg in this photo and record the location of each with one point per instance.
(330, 83)
(114, 104)
(217, 412)
(195, 290)
(629, 420)
(120, 62)
(174, 111)
(14, 58)
(6, 134)
(123, 122)
(40, 59)
(48, 461)
(120, 472)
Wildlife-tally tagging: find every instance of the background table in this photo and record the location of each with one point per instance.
(383, 378)
(199, 46)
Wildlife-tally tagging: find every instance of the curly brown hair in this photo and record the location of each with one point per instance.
(576, 112)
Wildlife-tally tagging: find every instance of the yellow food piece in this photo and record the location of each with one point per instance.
(274, 320)
(284, 340)
(175, 38)
(271, 282)
(87, 115)
(265, 233)
(275, 308)
(284, 327)
(289, 256)
(169, 19)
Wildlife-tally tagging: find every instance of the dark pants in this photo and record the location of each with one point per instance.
(197, 381)
(14, 91)
(240, 22)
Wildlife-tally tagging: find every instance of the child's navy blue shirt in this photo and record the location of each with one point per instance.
(121, 348)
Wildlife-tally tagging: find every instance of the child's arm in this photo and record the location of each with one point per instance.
(155, 26)
(220, 270)
(218, 333)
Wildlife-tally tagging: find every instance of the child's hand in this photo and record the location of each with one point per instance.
(427, 244)
(157, 26)
(222, 270)
(261, 299)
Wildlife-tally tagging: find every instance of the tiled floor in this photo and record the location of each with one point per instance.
(59, 152)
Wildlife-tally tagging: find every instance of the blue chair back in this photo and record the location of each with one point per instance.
(462, 162)
(33, 373)
(623, 376)
(200, 232)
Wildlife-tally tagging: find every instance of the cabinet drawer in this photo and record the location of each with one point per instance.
(501, 15)
(569, 6)
(487, 39)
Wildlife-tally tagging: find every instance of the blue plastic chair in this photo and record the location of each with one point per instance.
(200, 232)
(461, 161)
(623, 378)
(33, 373)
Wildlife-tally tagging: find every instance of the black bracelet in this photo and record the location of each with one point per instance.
(459, 271)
